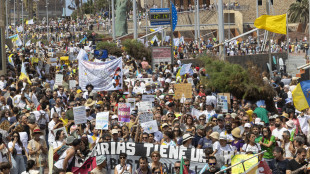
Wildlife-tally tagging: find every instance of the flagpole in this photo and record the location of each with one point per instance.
(269, 50)
(171, 34)
(135, 32)
(287, 38)
(221, 29)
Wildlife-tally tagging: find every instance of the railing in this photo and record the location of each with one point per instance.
(242, 162)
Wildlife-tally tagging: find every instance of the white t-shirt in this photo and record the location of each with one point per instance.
(216, 146)
(303, 121)
(208, 114)
(278, 132)
(58, 110)
(249, 148)
(51, 137)
(18, 148)
(24, 139)
(57, 144)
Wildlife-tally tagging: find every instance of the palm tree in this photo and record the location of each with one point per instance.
(299, 12)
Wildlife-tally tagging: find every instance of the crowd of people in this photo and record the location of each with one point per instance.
(31, 109)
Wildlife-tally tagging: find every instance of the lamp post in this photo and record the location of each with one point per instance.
(6, 17)
(48, 30)
(135, 32)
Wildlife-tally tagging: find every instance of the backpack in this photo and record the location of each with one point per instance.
(42, 121)
(59, 152)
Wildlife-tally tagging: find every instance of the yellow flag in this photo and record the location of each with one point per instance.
(275, 24)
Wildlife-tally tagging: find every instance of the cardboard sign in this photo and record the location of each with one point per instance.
(144, 106)
(132, 102)
(145, 117)
(124, 112)
(72, 84)
(182, 89)
(228, 98)
(102, 120)
(79, 114)
(58, 79)
(148, 98)
(150, 126)
(222, 102)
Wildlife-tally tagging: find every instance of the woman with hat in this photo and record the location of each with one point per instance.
(215, 137)
(38, 149)
(16, 148)
(238, 142)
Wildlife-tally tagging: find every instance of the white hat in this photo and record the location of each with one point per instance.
(247, 125)
(100, 159)
(290, 123)
(114, 117)
(223, 136)
(257, 120)
(114, 131)
(187, 137)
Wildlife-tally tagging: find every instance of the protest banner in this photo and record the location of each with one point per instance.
(222, 102)
(79, 114)
(247, 164)
(150, 126)
(58, 79)
(104, 76)
(63, 129)
(169, 155)
(161, 54)
(145, 117)
(150, 98)
(144, 106)
(183, 89)
(124, 112)
(87, 166)
(72, 84)
(102, 120)
(228, 98)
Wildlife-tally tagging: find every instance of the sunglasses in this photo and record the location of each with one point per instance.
(170, 116)
(177, 168)
(187, 165)
(212, 164)
(214, 120)
(122, 157)
(163, 120)
(108, 139)
(144, 137)
(202, 119)
(245, 120)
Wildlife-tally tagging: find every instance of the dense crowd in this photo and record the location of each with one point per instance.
(31, 109)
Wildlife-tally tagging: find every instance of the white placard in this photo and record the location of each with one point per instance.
(148, 98)
(102, 120)
(79, 115)
(146, 117)
(58, 79)
(222, 102)
(72, 84)
(150, 126)
(62, 128)
(144, 106)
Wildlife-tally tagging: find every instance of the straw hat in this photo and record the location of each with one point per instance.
(89, 102)
(36, 130)
(215, 135)
(285, 115)
(236, 132)
(187, 137)
(290, 123)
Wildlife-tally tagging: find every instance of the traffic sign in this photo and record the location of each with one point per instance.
(160, 16)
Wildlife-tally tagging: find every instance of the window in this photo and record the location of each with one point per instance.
(260, 2)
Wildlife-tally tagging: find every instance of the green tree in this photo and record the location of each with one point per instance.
(137, 49)
(111, 47)
(241, 83)
(299, 12)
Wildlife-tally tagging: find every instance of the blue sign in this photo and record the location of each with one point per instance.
(160, 10)
(101, 54)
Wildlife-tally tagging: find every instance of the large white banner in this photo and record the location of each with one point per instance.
(106, 76)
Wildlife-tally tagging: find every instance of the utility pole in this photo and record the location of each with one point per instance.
(6, 18)
(221, 29)
(195, 20)
(135, 29)
(171, 34)
(48, 28)
(198, 23)
(146, 23)
(269, 50)
(113, 21)
(23, 22)
(258, 40)
(162, 32)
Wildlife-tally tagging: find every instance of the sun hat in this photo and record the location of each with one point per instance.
(223, 137)
(90, 102)
(285, 115)
(236, 132)
(290, 123)
(100, 159)
(187, 137)
(233, 115)
(215, 135)
(36, 130)
(164, 125)
(114, 117)
(70, 139)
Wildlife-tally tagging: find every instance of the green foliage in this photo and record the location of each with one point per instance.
(242, 83)
(137, 49)
(111, 47)
(298, 12)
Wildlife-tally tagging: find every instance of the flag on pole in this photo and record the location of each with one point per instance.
(28, 43)
(156, 29)
(19, 29)
(275, 24)
(18, 42)
(82, 40)
(10, 60)
(28, 22)
(183, 168)
(301, 95)
(23, 74)
(14, 37)
(153, 39)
